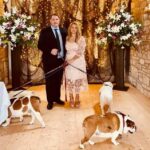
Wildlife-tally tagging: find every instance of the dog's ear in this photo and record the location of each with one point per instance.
(130, 123)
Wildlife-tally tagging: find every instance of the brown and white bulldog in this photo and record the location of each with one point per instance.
(109, 126)
(24, 103)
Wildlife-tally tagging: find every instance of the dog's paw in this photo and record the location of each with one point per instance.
(91, 142)
(5, 124)
(21, 119)
(102, 115)
(31, 122)
(81, 146)
(115, 142)
(43, 125)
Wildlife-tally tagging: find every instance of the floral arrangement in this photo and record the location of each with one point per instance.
(17, 29)
(118, 28)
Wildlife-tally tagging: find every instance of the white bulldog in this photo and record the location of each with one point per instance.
(106, 97)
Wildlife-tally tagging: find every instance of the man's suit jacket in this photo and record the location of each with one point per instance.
(46, 43)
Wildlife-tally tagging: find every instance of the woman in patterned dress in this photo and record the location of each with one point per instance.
(76, 80)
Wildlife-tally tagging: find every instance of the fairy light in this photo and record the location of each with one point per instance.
(44, 12)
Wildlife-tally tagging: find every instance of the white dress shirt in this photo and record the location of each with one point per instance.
(61, 53)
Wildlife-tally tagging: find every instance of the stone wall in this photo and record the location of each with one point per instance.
(139, 74)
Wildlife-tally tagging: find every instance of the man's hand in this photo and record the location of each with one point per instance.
(54, 51)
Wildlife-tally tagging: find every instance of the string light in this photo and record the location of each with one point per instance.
(44, 11)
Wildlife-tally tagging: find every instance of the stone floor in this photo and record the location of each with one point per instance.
(64, 125)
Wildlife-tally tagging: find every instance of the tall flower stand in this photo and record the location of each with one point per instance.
(16, 66)
(119, 69)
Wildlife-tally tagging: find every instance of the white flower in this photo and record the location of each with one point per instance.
(31, 29)
(125, 37)
(23, 16)
(5, 24)
(111, 16)
(104, 40)
(127, 16)
(118, 17)
(99, 30)
(98, 41)
(24, 20)
(13, 29)
(21, 32)
(13, 38)
(2, 30)
(123, 25)
(17, 22)
(133, 28)
(29, 17)
(122, 9)
(17, 34)
(122, 47)
(23, 26)
(101, 41)
(136, 42)
(27, 35)
(36, 35)
(115, 29)
(14, 10)
(7, 14)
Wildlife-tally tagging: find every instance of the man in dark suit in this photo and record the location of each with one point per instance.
(52, 43)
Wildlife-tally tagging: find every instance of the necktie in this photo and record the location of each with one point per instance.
(57, 38)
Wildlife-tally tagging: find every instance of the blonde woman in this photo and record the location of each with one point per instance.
(76, 80)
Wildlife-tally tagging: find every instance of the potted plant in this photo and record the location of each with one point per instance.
(17, 30)
(120, 31)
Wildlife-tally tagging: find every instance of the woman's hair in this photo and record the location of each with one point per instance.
(78, 33)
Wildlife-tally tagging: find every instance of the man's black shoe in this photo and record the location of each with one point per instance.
(60, 102)
(49, 106)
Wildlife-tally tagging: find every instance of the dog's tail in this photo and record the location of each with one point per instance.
(106, 108)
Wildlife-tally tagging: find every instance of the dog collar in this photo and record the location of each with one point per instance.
(107, 85)
(123, 116)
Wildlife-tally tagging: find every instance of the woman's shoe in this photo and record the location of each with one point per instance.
(77, 101)
(71, 100)
(77, 104)
(71, 103)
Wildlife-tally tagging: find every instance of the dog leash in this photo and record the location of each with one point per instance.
(123, 116)
(47, 75)
(94, 77)
(51, 72)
